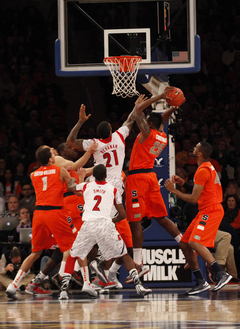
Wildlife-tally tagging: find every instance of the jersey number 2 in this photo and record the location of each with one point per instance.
(98, 198)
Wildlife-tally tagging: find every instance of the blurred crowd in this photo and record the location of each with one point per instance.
(33, 106)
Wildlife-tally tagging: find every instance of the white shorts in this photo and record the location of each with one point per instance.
(102, 232)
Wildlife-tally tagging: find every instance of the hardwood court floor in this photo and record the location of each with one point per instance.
(164, 308)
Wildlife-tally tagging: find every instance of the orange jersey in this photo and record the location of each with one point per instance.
(143, 155)
(212, 191)
(48, 186)
(73, 174)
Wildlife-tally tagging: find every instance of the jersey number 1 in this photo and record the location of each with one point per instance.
(44, 179)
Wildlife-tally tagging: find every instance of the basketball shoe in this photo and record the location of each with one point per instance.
(95, 284)
(57, 280)
(87, 288)
(77, 277)
(200, 286)
(142, 270)
(94, 266)
(112, 277)
(141, 290)
(222, 279)
(108, 285)
(11, 291)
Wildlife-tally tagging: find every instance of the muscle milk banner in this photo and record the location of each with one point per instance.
(166, 264)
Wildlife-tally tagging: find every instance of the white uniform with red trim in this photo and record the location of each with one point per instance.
(98, 227)
(111, 153)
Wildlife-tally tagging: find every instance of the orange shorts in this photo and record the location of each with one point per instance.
(50, 227)
(124, 229)
(73, 205)
(143, 197)
(203, 228)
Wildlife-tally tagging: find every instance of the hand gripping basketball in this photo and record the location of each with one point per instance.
(177, 97)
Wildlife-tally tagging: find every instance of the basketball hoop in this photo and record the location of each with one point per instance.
(124, 72)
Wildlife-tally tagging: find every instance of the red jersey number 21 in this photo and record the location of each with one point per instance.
(108, 156)
(98, 198)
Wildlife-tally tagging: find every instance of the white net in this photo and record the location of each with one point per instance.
(124, 72)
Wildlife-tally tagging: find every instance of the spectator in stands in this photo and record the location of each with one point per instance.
(13, 157)
(191, 168)
(182, 156)
(221, 154)
(12, 207)
(232, 188)
(10, 186)
(232, 211)
(24, 222)
(205, 134)
(234, 135)
(29, 198)
(20, 174)
(2, 168)
(10, 263)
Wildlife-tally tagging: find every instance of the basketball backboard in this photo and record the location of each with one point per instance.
(163, 33)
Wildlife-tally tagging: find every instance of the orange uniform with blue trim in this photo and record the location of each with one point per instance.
(50, 226)
(73, 204)
(143, 196)
(203, 228)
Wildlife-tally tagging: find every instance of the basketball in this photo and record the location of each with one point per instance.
(177, 97)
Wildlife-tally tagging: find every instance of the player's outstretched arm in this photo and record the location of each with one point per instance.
(191, 198)
(72, 137)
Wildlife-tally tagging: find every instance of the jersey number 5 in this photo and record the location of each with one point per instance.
(157, 148)
(98, 198)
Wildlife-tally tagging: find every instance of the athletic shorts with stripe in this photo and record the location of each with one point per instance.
(124, 230)
(143, 197)
(102, 232)
(203, 228)
(50, 227)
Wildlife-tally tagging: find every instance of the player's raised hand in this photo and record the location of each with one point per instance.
(82, 114)
(141, 99)
(164, 94)
(93, 147)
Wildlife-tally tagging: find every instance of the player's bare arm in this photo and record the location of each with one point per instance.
(191, 198)
(61, 162)
(70, 182)
(121, 213)
(72, 137)
(131, 117)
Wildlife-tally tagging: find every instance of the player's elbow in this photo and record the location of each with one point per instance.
(70, 142)
(193, 200)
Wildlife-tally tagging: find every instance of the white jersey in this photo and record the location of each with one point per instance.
(110, 153)
(99, 198)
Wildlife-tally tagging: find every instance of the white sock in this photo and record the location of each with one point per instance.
(137, 255)
(178, 237)
(106, 273)
(77, 266)
(18, 278)
(62, 268)
(114, 267)
(85, 274)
